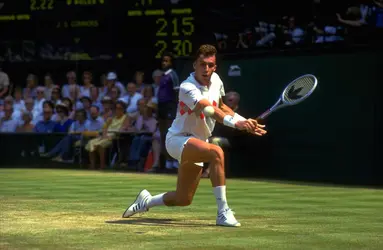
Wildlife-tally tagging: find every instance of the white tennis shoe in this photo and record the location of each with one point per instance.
(226, 218)
(139, 205)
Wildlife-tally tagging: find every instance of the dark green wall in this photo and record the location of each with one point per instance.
(330, 136)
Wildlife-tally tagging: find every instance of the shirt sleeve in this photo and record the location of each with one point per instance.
(139, 123)
(175, 79)
(190, 95)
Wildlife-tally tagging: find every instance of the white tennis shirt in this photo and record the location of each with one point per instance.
(190, 93)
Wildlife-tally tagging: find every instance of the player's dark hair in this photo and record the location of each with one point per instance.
(206, 50)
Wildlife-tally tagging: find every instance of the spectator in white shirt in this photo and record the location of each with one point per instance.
(30, 89)
(29, 104)
(18, 102)
(49, 86)
(131, 99)
(87, 84)
(72, 81)
(40, 93)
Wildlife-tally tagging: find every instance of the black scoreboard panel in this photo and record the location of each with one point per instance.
(102, 28)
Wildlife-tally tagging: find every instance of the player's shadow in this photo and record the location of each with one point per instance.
(157, 222)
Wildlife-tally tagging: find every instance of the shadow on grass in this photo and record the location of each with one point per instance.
(158, 222)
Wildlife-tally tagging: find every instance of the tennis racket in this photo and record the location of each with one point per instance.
(294, 93)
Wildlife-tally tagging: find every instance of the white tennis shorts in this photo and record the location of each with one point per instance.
(175, 145)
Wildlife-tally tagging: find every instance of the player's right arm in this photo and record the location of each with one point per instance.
(192, 97)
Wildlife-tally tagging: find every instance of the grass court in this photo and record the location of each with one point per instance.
(75, 209)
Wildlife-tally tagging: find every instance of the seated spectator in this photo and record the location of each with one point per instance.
(141, 144)
(148, 94)
(95, 98)
(18, 102)
(63, 148)
(7, 123)
(87, 84)
(26, 125)
(16, 115)
(131, 98)
(141, 104)
(30, 90)
(29, 104)
(120, 122)
(56, 96)
(157, 75)
(69, 103)
(49, 86)
(95, 122)
(112, 81)
(107, 108)
(72, 84)
(86, 103)
(46, 125)
(139, 81)
(4, 84)
(63, 121)
(226, 137)
(38, 106)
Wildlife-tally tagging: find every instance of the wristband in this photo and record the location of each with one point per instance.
(229, 121)
(237, 117)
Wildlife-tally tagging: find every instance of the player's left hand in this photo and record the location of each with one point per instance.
(257, 128)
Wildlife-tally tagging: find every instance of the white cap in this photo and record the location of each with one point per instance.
(111, 76)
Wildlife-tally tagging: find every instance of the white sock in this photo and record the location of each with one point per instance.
(157, 200)
(220, 197)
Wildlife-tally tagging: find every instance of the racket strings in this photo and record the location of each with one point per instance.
(299, 89)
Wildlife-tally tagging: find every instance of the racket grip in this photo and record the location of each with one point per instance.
(264, 115)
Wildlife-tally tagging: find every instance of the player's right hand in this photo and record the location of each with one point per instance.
(251, 126)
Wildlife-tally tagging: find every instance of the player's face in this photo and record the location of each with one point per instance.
(204, 68)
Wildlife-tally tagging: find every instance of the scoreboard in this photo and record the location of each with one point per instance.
(116, 28)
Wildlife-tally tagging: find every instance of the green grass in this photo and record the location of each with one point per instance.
(69, 209)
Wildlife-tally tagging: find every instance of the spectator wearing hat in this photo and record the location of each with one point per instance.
(26, 125)
(71, 86)
(111, 81)
(63, 120)
(30, 90)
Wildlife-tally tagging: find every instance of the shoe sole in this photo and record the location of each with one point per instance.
(236, 225)
(131, 205)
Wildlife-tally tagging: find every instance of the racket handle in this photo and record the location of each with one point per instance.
(264, 115)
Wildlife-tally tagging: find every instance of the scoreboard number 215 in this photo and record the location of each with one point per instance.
(174, 34)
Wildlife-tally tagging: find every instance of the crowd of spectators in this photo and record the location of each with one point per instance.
(325, 22)
(89, 114)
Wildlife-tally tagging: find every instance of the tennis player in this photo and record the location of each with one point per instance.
(186, 140)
